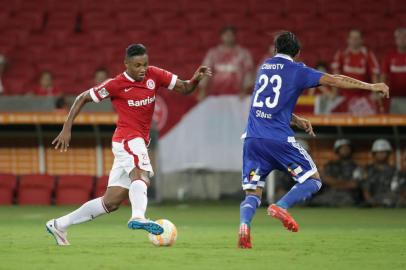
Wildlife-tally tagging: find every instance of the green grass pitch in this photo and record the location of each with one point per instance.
(327, 239)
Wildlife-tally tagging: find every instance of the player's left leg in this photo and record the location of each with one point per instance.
(139, 170)
(139, 200)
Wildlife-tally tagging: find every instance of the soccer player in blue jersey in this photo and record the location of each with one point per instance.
(269, 142)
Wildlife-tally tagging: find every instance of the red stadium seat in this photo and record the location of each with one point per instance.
(62, 20)
(97, 21)
(127, 21)
(35, 189)
(8, 183)
(328, 6)
(63, 6)
(96, 6)
(74, 189)
(37, 6)
(230, 6)
(27, 21)
(129, 6)
(101, 185)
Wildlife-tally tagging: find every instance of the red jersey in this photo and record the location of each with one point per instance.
(133, 101)
(230, 66)
(361, 66)
(394, 67)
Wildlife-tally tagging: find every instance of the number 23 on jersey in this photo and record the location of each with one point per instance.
(276, 83)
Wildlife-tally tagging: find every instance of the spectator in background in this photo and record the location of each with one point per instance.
(3, 65)
(232, 67)
(380, 177)
(327, 98)
(46, 85)
(100, 76)
(360, 63)
(394, 66)
(341, 178)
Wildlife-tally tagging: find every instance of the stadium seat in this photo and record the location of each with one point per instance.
(97, 21)
(127, 21)
(101, 6)
(62, 20)
(8, 183)
(35, 189)
(73, 189)
(257, 7)
(37, 6)
(27, 21)
(101, 185)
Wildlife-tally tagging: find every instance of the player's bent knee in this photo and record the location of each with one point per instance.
(316, 176)
(140, 175)
(111, 206)
(137, 174)
(257, 192)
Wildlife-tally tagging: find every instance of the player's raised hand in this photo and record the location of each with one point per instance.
(202, 72)
(62, 140)
(381, 88)
(304, 124)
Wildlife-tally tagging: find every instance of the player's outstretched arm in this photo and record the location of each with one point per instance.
(187, 87)
(62, 140)
(341, 81)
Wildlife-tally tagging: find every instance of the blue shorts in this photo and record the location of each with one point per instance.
(262, 156)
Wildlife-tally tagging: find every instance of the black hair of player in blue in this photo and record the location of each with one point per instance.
(135, 50)
(287, 43)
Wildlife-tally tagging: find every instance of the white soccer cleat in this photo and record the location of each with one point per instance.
(60, 236)
(145, 224)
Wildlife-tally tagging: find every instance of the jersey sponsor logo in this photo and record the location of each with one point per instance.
(150, 84)
(103, 92)
(272, 66)
(128, 89)
(142, 102)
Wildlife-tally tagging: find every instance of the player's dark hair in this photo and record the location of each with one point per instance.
(135, 50)
(287, 43)
(227, 28)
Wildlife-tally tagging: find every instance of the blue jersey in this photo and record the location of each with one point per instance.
(279, 83)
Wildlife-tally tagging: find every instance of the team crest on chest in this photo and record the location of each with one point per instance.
(150, 84)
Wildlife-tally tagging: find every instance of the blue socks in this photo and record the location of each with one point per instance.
(299, 193)
(248, 208)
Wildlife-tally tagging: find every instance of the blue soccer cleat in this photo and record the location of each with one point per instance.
(145, 224)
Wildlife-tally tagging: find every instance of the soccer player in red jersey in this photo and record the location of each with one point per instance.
(394, 65)
(132, 94)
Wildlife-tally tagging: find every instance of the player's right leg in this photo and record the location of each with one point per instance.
(254, 173)
(297, 162)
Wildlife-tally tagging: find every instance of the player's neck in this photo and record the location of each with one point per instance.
(131, 78)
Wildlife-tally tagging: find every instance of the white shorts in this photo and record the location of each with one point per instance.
(127, 156)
